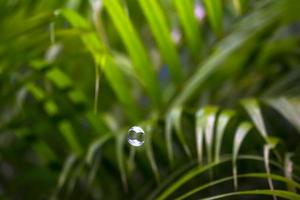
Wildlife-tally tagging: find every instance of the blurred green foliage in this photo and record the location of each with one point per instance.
(215, 84)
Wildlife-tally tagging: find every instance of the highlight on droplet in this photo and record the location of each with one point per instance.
(136, 136)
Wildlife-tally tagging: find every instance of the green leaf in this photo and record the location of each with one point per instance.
(161, 33)
(288, 171)
(239, 137)
(245, 31)
(283, 86)
(199, 134)
(289, 109)
(188, 176)
(45, 153)
(253, 109)
(140, 60)
(77, 96)
(67, 168)
(68, 133)
(205, 122)
(211, 114)
(197, 170)
(279, 193)
(51, 107)
(88, 37)
(214, 11)
(120, 139)
(59, 78)
(149, 152)
(106, 62)
(267, 166)
(222, 122)
(37, 92)
(250, 175)
(173, 120)
(188, 21)
(239, 6)
(95, 146)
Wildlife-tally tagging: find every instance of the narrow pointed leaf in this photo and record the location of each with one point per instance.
(120, 139)
(253, 109)
(199, 134)
(239, 6)
(161, 33)
(222, 122)
(188, 21)
(211, 114)
(104, 60)
(243, 33)
(267, 167)
(279, 193)
(140, 59)
(68, 133)
(173, 121)
(68, 166)
(290, 110)
(250, 175)
(197, 170)
(240, 135)
(150, 155)
(95, 146)
(214, 11)
(288, 171)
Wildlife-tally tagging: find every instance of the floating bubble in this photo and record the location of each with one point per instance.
(136, 136)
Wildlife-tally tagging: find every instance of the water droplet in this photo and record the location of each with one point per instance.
(136, 136)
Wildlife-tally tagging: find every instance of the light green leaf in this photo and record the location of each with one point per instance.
(95, 146)
(173, 120)
(68, 133)
(59, 78)
(222, 122)
(253, 109)
(140, 60)
(245, 31)
(239, 6)
(104, 60)
(36, 91)
(250, 175)
(51, 107)
(211, 114)
(67, 168)
(240, 135)
(267, 166)
(288, 171)
(161, 32)
(279, 193)
(214, 11)
(149, 152)
(197, 170)
(188, 21)
(205, 122)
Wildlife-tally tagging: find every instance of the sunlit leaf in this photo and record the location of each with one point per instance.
(222, 122)
(162, 36)
(239, 137)
(188, 21)
(140, 60)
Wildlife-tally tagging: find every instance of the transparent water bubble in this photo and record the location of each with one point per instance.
(136, 136)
